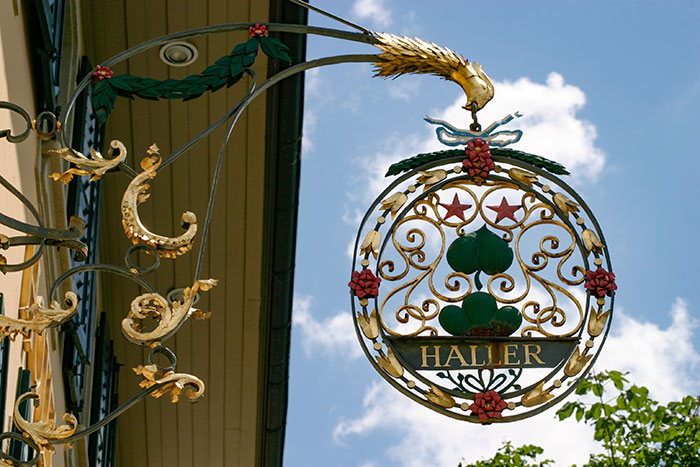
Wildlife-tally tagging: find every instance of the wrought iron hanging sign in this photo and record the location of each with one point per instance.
(481, 285)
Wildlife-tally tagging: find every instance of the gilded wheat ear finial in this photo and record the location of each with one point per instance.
(406, 55)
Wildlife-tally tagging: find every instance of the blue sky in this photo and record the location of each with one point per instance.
(611, 90)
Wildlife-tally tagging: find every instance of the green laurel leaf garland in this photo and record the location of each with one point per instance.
(226, 71)
(420, 159)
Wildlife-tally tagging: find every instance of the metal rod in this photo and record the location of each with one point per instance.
(101, 268)
(331, 16)
(243, 105)
(222, 28)
(117, 412)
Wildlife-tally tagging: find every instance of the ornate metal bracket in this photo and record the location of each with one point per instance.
(135, 194)
(95, 165)
(42, 317)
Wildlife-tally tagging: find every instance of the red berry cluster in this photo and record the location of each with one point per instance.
(259, 30)
(478, 162)
(600, 282)
(365, 284)
(102, 72)
(488, 405)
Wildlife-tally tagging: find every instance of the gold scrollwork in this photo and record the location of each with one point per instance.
(95, 165)
(43, 432)
(170, 316)
(42, 317)
(172, 382)
(536, 214)
(135, 194)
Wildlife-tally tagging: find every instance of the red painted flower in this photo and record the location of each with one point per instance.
(259, 30)
(365, 284)
(478, 162)
(102, 72)
(600, 282)
(488, 405)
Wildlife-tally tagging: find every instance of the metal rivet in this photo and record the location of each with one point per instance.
(365, 262)
(589, 343)
(381, 220)
(546, 188)
(556, 383)
(411, 188)
(511, 405)
(458, 169)
(598, 261)
(411, 384)
(377, 346)
(464, 406)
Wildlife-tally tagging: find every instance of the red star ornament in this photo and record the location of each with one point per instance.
(456, 208)
(504, 210)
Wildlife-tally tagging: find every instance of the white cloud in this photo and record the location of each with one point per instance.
(310, 122)
(334, 336)
(404, 90)
(550, 125)
(662, 359)
(374, 11)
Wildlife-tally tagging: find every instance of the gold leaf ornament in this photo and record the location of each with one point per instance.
(596, 322)
(390, 364)
(394, 202)
(172, 382)
(591, 242)
(565, 204)
(431, 177)
(369, 324)
(437, 396)
(170, 316)
(137, 193)
(95, 165)
(536, 396)
(371, 243)
(522, 176)
(406, 55)
(576, 363)
(45, 431)
(41, 317)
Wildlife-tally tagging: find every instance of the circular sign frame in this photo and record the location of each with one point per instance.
(479, 362)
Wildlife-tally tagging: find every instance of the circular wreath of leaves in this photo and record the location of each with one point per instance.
(226, 71)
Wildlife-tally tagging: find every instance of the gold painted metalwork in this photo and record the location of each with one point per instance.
(597, 321)
(95, 165)
(369, 324)
(439, 397)
(390, 364)
(170, 316)
(536, 396)
(371, 243)
(394, 203)
(135, 194)
(523, 176)
(405, 55)
(544, 319)
(172, 382)
(591, 242)
(565, 204)
(43, 432)
(576, 363)
(42, 317)
(430, 177)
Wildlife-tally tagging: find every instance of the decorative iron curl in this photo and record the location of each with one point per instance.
(38, 234)
(7, 134)
(8, 460)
